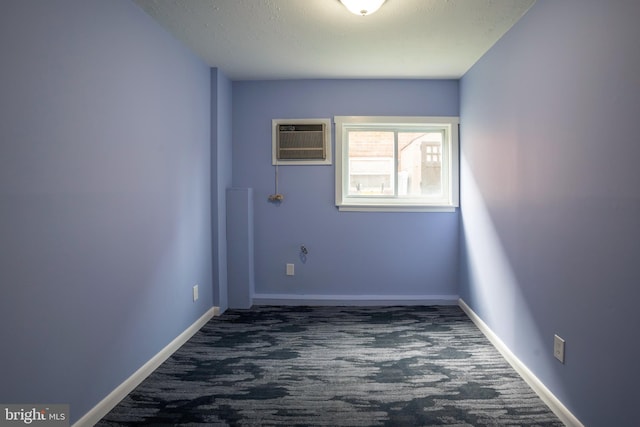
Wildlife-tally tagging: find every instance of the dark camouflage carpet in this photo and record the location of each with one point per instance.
(335, 366)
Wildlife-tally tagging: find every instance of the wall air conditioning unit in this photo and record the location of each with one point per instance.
(301, 141)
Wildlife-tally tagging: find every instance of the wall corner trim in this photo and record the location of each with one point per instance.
(112, 399)
(538, 387)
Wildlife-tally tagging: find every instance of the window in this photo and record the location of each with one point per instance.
(396, 163)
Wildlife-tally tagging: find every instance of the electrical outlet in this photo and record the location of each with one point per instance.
(290, 269)
(558, 348)
(195, 293)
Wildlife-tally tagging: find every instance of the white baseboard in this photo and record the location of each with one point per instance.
(353, 300)
(541, 390)
(108, 403)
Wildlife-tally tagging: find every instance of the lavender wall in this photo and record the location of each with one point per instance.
(551, 203)
(352, 255)
(105, 220)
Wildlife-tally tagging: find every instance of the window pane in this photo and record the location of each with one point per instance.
(420, 163)
(371, 164)
(395, 164)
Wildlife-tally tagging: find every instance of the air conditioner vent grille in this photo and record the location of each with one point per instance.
(300, 154)
(301, 142)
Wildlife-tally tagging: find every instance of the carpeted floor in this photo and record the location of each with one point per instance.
(335, 366)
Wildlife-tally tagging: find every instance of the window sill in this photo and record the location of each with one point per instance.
(397, 208)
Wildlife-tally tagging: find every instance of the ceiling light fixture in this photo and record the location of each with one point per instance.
(362, 7)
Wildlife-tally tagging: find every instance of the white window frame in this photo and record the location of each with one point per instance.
(450, 159)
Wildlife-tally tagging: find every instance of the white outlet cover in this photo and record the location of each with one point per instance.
(558, 348)
(195, 293)
(290, 269)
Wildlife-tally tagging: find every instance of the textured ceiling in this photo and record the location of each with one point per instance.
(286, 39)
